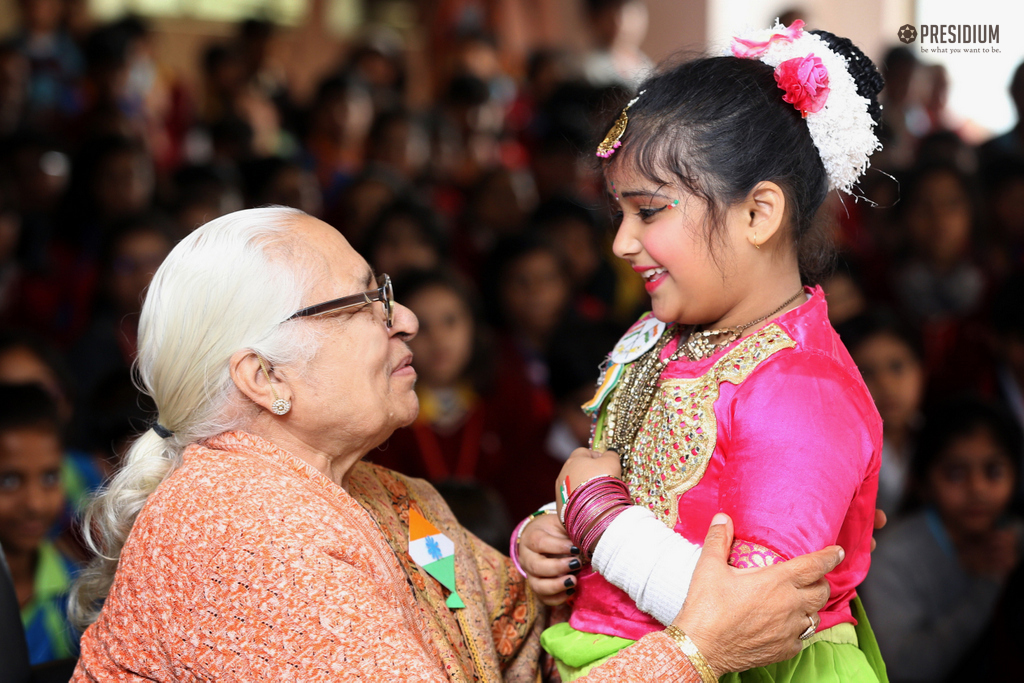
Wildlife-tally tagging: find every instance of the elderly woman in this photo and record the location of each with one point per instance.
(245, 538)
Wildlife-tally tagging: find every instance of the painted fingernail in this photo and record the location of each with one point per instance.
(568, 582)
(570, 591)
(574, 550)
(574, 564)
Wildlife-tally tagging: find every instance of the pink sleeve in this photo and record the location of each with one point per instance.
(799, 448)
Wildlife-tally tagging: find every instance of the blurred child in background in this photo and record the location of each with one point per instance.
(889, 358)
(27, 360)
(31, 499)
(1008, 342)
(939, 280)
(464, 431)
(406, 236)
(937, 575)
(574, 359)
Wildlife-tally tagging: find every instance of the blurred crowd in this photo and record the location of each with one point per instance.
(488, 211)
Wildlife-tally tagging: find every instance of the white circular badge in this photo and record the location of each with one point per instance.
(638, 340)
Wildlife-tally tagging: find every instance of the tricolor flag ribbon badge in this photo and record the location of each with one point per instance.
(435, 552)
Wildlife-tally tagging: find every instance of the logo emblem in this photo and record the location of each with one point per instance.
(907, 34)
(638, 339)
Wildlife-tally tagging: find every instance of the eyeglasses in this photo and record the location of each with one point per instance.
(384, 294)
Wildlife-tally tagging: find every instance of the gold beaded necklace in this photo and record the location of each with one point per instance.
(632, 398)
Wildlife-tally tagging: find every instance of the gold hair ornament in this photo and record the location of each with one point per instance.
(612, 141)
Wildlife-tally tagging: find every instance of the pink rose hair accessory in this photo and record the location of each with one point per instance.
(805, 80)
(817, 81)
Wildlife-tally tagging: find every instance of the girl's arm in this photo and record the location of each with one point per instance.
(737, 619)
(650, 562)
(795, 460)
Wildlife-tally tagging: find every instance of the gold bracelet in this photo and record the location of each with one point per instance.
(689, 648)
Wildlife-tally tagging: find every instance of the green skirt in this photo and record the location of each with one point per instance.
(842, 654)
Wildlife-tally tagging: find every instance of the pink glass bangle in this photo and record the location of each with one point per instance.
(591, 508)
(513, 546)
(517, 533)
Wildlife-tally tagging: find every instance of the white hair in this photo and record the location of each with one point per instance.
(228, 286)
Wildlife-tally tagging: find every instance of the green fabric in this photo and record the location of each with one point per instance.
(821, 661)
(75, 488)
(46, 628)
(571, 673)
(842, 653)
(866, 640)
(577, 648)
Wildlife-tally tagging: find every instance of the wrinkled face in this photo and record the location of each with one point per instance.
(662, 235)
(359, 387)
(31, 495)
(972, 483)
(444, 345)
(894, 377)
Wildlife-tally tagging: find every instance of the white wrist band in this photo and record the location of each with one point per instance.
(650, 562)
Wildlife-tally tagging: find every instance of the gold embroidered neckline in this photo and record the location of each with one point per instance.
(676, 431)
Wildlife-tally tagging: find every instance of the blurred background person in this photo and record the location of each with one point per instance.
(938, 574)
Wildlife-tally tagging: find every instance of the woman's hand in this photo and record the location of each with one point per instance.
(546, 555)
(585, 464)
(742, 618)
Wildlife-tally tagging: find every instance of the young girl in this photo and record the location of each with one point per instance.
(938, 574)
(736, 395)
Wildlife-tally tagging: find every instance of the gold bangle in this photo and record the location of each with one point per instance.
(689, 648)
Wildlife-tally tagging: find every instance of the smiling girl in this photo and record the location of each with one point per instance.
(734, 394)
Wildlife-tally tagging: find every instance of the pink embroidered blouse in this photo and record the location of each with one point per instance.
(779, 431)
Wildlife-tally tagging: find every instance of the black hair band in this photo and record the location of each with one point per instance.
(161, 431)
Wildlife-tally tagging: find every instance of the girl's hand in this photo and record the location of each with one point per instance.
(585, 464)
(546, 555)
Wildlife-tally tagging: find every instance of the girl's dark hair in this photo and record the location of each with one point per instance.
(427, 223)
(955, 419)
(717, 126)
(27, 406)
(879, 321)
(11, 339)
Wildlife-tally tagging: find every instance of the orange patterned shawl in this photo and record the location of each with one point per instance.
(248, 564)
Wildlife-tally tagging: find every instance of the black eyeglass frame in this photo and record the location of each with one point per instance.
(384, 294)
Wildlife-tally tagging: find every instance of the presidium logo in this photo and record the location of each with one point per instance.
(969, 37)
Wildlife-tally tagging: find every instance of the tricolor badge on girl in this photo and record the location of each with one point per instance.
(638, 340)
(435, 552)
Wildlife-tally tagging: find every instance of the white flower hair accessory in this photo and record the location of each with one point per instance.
(818, 83)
